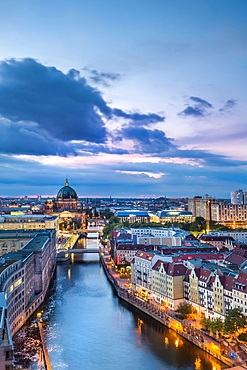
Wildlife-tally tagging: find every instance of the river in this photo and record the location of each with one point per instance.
(89, 328)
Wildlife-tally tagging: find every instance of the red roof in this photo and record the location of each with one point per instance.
(235, 259)
(172, 269)
(145, 255)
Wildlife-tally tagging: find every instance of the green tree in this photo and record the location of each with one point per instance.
(184, 309)
(206, 323)
(235, 320)
(217, 326)
(113, 220)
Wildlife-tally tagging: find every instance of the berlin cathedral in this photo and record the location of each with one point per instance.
(66, 205)
(66, 200)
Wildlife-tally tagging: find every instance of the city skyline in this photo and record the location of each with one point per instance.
(127, 99)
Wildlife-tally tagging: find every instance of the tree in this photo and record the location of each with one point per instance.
(235, 320)
(206, 323)
(217, 326)
(184, 309)
(113, 220)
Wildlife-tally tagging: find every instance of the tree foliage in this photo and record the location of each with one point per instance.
(235, 320)
(217, 325)
(206, 323)
(184, 309)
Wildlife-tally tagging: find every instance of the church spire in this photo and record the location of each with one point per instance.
(67, 181)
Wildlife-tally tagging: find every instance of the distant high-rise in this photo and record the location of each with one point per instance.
(238, 197)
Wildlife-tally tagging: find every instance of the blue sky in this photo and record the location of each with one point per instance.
(127, 98)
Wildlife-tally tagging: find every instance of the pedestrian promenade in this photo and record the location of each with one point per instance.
(229, 353)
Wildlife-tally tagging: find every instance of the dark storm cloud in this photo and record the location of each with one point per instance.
(27, 139)
(228, 105)
(146, 141)
(197, 110)
(58, 103)
(54, 109)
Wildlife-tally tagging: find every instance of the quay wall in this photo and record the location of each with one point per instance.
(168, 320)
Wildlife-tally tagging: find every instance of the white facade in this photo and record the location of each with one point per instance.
(240, 236)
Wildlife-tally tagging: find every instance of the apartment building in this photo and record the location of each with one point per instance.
(6, 344)
(141, 267)
(168, 283)
(204, 207)
(239, 236)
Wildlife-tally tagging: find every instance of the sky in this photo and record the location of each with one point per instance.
(126, 98)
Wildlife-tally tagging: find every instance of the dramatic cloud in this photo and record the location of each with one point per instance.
(199, 109)
(44, 110)
(146, 141)
(60, 104)
(24, 138)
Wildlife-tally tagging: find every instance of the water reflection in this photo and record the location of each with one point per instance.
(89, 328)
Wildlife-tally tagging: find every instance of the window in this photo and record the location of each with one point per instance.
(9, 355)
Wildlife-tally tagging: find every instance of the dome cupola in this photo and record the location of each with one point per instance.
(67, 193)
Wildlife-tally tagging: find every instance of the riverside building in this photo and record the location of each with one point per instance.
(25, 276)
(28, 222)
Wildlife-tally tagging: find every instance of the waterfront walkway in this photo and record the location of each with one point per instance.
(231, 354)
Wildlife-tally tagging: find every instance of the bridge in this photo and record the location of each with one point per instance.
(89, 231)
(63, 255)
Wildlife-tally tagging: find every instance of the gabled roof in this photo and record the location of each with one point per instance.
(203, 274)
(172, 269)
(227, 281)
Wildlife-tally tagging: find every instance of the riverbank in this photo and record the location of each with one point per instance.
(222, 350)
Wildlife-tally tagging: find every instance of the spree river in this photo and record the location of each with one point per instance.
(90, 328)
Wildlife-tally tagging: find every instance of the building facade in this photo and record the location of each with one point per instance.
(28, 222)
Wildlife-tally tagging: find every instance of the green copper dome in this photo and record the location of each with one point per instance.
(67, 192)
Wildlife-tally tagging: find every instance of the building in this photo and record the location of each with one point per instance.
(168, 283)
(133, 216)
(6, 345)
(28, 222)
(238, 236)
(232, 215)
(25, 276)
(174, 215)
(66, 200)
(141, 276)
(218, 242)
(204, 207)
(238, 197)
(14, 240)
